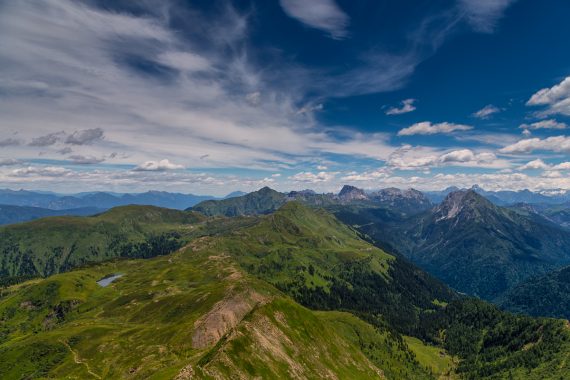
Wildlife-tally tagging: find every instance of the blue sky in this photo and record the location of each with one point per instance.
(215, 96)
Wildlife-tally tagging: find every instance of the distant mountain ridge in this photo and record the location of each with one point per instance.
(506, 197)
(267, 200)
(100, 200)
(558, 214)
(473, 245)
(16, 214)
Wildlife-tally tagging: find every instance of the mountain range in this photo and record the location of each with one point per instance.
(17, 214)
(267, 200)
(238, 298)
(507, 197)
(100, 200)
(554, 206)
(558, 214)
(472, 244)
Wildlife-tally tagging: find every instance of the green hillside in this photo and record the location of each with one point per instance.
(323, 264)
(493, 344)
(186, 315)
(57, 244)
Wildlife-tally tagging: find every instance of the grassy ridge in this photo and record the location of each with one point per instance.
(323, 264)
(150, 324)
(58, 244)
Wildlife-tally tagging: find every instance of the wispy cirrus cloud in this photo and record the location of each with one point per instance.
(544, 124)
(95, 83)
(129, 82)
(487, 111)
(324, 15)
(483, 15)
(406, 107)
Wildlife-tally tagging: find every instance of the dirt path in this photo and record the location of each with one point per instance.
(77, 360)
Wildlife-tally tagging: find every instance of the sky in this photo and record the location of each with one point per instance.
(209, 97)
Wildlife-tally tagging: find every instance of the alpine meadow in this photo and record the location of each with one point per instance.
(285, 189)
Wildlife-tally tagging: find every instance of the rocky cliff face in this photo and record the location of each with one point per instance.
(350, 193)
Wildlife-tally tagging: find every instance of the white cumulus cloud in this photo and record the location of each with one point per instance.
(154, 166)
(535, 165)
(560, 144)
(556, 98)
(309, 177)
(427, 128)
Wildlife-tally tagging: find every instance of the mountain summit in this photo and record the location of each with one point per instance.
(262, 201)
(466, 204)
(350, 193)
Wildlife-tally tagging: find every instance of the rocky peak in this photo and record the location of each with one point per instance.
(350, 193)
(265, 190)
(462, 202)
(409, 199)
(301, 193)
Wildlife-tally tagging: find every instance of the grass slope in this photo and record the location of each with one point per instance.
(435, 358)
(185, 315)
(52, 245)
(323, 264)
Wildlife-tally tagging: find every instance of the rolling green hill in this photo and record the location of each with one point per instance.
(57, 244)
